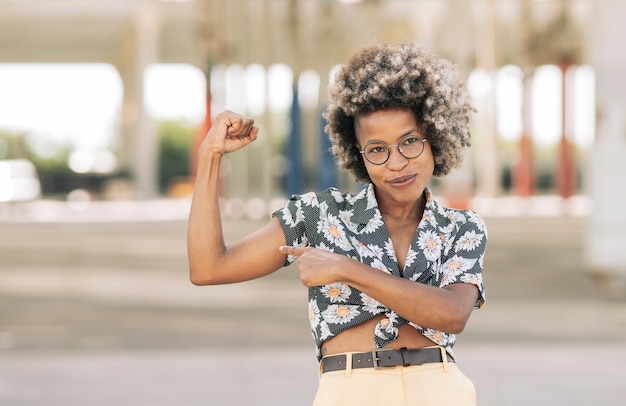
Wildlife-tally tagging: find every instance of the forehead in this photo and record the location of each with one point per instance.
(384, 124)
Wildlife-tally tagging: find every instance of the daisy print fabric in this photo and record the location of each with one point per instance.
(448, 247)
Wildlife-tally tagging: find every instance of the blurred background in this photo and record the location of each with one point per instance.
(104, 102)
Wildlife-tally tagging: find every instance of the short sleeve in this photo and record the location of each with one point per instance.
(293, 221)
(464, 261)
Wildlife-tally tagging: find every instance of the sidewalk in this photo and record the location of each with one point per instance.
(504, 375)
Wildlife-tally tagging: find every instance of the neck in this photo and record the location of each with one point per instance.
(411, 211)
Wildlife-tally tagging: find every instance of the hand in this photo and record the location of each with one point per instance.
(230, 132)
(317, 267)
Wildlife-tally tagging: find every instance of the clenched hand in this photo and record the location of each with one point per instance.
(317, 267)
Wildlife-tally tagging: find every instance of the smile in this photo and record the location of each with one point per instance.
(402, 180)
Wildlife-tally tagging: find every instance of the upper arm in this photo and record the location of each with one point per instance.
(463, 264)
(465, 296)
(254, 256)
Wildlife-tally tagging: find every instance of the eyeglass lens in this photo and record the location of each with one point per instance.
(378, 152)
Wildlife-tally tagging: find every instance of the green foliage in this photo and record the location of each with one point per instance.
(56, 164)
(17, 145)
(12, 145)
(175, 143)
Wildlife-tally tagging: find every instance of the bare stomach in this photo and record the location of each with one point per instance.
(361, 339)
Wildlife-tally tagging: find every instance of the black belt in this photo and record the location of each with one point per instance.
(385, 358)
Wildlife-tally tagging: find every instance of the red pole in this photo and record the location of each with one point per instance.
(565, 174)
(523, 175)
(203, 128)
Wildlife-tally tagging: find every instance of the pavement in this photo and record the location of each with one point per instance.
(96, 309)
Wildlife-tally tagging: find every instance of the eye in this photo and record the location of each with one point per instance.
(411, 139)
(375, 149)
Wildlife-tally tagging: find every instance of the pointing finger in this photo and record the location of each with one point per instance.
(289, 250)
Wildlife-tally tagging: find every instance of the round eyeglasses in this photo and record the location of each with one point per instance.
(409, 146)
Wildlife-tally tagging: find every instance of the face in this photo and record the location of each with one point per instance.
(399, 179)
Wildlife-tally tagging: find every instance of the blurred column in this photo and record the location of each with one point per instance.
(606, 236)
(293, 178)
(327, 173)
(145, 151)
(265, 46)
(565, 174)
(140, 141)
(455, 42)
(488, 170)
(203, 128)
(308, 99)
(232, 23)
(523, 174)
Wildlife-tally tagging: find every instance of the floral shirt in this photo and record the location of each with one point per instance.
(448, 247)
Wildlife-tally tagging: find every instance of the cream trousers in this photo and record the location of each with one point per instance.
(433, 384)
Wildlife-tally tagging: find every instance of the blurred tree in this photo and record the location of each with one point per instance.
(12, 145)
(175, 143)
(54, 174)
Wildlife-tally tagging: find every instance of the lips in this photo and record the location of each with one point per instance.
(402, 180)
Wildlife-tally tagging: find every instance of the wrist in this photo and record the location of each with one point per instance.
(342, 268)
(209, 162)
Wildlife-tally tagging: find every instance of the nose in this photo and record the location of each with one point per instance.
(396, 159)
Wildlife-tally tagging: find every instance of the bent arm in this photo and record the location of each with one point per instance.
(210, 260)
(446, 309)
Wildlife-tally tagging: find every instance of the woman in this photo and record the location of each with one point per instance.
(392, 275)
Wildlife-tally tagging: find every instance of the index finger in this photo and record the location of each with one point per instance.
(291, 250)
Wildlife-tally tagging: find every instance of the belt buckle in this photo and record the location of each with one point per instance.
(375, 359)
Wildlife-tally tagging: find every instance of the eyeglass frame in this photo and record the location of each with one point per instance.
(423, 140)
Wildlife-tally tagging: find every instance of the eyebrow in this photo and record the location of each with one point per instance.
(413, 131)
(410, 132)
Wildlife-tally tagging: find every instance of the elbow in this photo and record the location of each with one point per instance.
(196, 280)
(457, 321)
(452, 326)
(199, 278)
(457, 326)
(461, 321)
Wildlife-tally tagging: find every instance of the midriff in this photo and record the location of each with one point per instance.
(361, 339)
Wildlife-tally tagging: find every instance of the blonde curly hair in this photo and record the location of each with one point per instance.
(409, 77)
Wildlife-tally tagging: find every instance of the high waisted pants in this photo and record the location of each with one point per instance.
(433, 384)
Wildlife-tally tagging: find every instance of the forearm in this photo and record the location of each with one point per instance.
(205, 239)
(438, 308)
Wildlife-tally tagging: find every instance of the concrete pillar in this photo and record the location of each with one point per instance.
(606, 229)
(566, 177)
(455, 43)
(139, 143)
(488, 168)
(145, 159)
(268, 166)
(523, 173)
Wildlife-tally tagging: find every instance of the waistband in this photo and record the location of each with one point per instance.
(385, 358)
